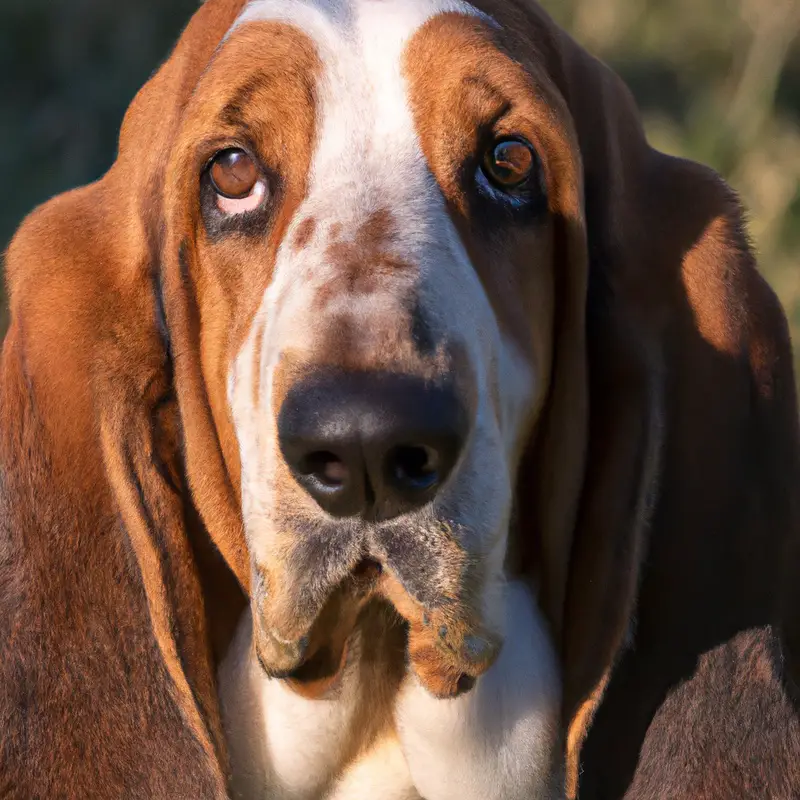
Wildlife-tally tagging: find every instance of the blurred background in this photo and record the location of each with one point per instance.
(716, 80)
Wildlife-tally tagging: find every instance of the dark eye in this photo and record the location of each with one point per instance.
(237, 181)
(233, 173)
(509, 163)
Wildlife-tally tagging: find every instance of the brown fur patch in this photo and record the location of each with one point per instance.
(303, 233)
(471, 81)
(362, 261)
(218, 281)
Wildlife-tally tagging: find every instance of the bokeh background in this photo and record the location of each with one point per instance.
(716, 80)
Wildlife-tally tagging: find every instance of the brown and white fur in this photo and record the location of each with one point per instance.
(358, 171)
(187, 621)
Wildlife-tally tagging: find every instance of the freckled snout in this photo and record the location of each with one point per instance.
(371, 444)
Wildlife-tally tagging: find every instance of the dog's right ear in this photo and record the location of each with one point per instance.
(152, 119)
(102, 610)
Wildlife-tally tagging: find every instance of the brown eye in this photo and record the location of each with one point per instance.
(509, 163)
(237, 181)
(233, 174)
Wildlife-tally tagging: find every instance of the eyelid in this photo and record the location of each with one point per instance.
(232, 206)
(487, 188)
(208, 149)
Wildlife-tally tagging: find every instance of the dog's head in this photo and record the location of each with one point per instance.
(370, 204)
(362, 232)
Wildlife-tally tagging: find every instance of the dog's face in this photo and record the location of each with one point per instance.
(366, 189)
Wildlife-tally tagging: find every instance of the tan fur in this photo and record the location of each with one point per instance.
(655, 469)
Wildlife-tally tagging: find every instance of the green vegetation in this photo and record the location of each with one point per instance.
(717, 81)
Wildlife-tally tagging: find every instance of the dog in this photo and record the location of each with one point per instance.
(392, 421)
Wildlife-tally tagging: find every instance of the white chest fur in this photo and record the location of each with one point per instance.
(497, 741)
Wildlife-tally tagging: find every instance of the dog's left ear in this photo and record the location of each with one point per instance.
(586, 476)
(670, 354)
(623, 215)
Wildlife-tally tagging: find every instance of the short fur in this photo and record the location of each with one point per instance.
(656, 470)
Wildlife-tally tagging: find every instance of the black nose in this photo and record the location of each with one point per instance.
(374, 444)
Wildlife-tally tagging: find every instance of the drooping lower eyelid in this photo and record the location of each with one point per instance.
(232, 205)
(488, 189)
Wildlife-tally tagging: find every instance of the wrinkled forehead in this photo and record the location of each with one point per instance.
(362, 47)
(355, 38)
(374, 26)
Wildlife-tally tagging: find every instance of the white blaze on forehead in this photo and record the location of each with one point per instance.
(366, 134)
(361, 42)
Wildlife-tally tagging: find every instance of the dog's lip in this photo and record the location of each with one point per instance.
(280, 657)
(312, 652)
(311, 668)
(321, 674)
(323, 663)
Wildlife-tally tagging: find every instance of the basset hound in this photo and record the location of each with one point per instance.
(392, 421)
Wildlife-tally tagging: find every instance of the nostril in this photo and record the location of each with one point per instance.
(370, 444)
(414, 467)
(325, 467)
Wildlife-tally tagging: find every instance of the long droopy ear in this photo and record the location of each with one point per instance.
(625, 384)
(585, 479)
(154, 118)
(688, 366)
(88, 356)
